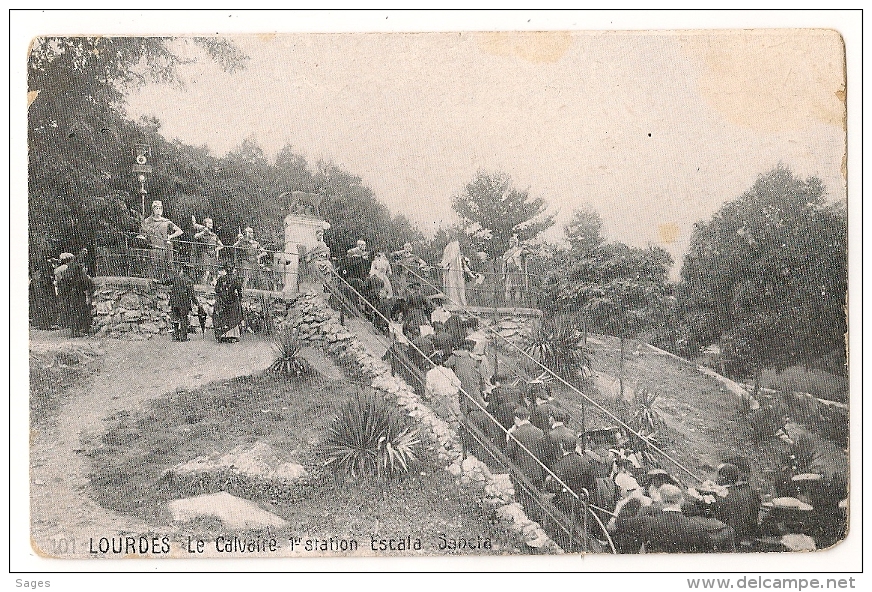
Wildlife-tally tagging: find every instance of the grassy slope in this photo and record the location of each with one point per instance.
(292, 417)
(702, 416)
(817, 382)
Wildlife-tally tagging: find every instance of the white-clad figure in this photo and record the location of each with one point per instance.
(452, 273)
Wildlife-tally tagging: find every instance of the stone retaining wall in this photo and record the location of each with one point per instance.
(138, 308)
(131, 307)
(515, 328)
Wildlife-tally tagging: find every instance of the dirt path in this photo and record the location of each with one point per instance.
(131, 373)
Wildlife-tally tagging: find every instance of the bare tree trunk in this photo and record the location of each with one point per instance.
(621, 369)
(757, 374)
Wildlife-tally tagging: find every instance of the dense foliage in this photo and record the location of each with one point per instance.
(557, 343)
(619, 290)
(767, 277)
(287, 344)
(83, 193)
(610, 287)
(79, 142)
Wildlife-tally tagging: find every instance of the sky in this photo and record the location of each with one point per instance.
(654, 131)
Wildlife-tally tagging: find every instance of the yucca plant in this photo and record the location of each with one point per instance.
(287, 345)
(557, 343)
(646, 418)
(370, 437)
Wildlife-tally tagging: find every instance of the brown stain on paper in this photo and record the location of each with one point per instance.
(668, 232)
(772, 80)
(530, 46)
(38, 550)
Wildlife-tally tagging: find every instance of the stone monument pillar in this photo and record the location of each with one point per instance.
(299, 240)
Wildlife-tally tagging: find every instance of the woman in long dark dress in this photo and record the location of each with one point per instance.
(228, 306)
(78, 294)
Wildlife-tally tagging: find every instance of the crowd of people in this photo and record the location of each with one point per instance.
(386, 275)
(646, 509)
(389, 272)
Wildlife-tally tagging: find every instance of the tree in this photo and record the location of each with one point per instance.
(767, 276)
(584, 230)
(490, 203)
(618, 289)
(79, 140)
(354, 213)
(80, 149)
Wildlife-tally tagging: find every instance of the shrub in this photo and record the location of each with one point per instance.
(370, 437)
(557, 344)
(765, 423)
(287, 345)
(646, 418)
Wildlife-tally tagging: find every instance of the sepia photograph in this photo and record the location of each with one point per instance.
(458, 293)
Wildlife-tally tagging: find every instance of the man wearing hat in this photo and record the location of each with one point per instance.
(741, 505)
(64, 262)
(655, 479)
(181, 298)
(409, 264)
(416, 312)
(81, 295)
(358, 261)
(75, 289)
(440, 314)
(227, 315)
(466, 369)
(557, 434)
(159, 232)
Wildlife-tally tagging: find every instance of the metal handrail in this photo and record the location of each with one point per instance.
(470, 397)
(494, 285)
(554, 375)
(548, 507)
(547, 470)
(201, 244)
(147, 261)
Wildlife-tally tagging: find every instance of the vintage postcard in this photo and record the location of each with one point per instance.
(439, 294)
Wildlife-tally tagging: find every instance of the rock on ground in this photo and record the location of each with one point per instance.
(234, 512)
(258, 461)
